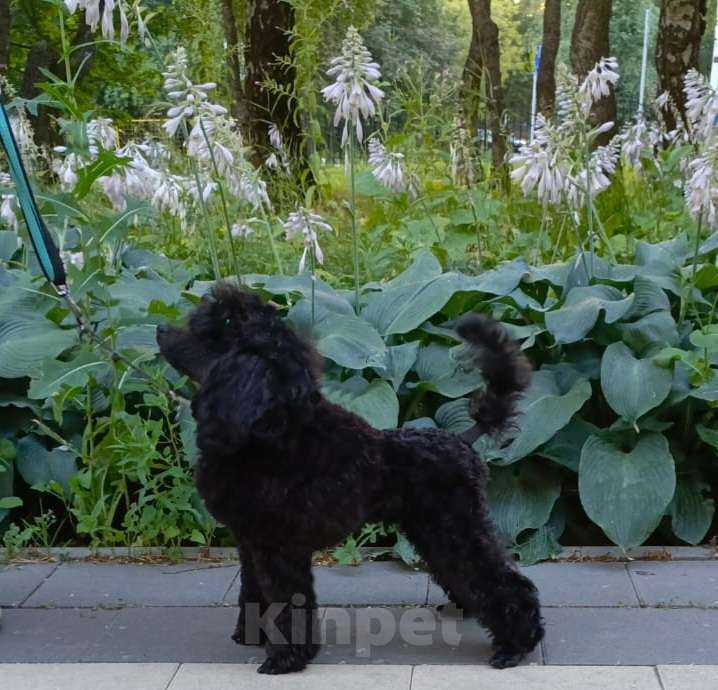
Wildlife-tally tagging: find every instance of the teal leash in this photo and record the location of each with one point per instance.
(49, 255)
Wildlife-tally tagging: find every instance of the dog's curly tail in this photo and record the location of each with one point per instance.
(506, 371)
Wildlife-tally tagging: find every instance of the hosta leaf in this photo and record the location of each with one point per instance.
(632, 386)
(136, 294)
(706, 338)
(398, 361)
(543, 544)
(9, 244)
(708, 391)
(523, 496)
(140, 337)
(502, 280)
(56, 374)
(37, 465)
(565, 447)
(648, 298)
(691, 510)
(454, 416)
(543, 411)
(658, 328)
(439, 371)
(578, 315)
(709, 436)
(324, 295)
(24, 344)
(349, 341)
(6, 485)
(402, 307)
(376, 402)
(626, 493)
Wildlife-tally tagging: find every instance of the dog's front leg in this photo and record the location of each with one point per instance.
(249, 630)
(291, 622)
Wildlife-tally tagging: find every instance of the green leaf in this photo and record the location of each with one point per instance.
(708, 391)
(77, 372)
(9, 244)
(578, 315)
(39, 466)
(543, 544)
(565, 447)
(6, 485)
(658, 328)
(454, 416)
(405, 550)
(439, 371)
(349, 341)
(376, 402)
(709, 436)
(103, 165)
(24, 345)
(632, 386)
(7, 453)
(402, 309)
(398, 361)
(706, 338)
(188, 433)
(543, 411)
(691, 510)
(10, 502)
(626, 493)
(523, 496)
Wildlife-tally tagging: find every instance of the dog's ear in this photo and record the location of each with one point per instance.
(246, 396)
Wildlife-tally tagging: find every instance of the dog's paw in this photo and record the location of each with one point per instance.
(284, 663)
(506, 659)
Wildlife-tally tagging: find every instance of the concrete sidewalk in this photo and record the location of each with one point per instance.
(641, 622)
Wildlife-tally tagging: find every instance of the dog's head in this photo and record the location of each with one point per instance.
(227, 319)
(252, 370)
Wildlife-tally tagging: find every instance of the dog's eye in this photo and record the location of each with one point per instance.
(228, 322)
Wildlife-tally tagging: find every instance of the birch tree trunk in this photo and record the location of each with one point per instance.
(680, 29)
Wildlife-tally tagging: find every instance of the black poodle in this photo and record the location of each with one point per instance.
(290, 473)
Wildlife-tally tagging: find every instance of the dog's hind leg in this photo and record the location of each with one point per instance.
(465, 557)
(252, 606)
(291, 623)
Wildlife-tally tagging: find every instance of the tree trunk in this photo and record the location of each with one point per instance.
(590, 43)
(4, 36)
(267, 60)
(547, 71)
(680, 29)
(484, 60)
(41, 56)
(234, 75)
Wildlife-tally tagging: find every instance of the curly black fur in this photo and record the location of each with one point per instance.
(290, 473)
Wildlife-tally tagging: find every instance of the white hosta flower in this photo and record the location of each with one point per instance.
(353, 91)
(105, 18)
(597, 178)
(278, 158)
(8, 211)
(190, 99)
(701, 187)
(197, 146)
(168, 195)
(272, 161)
(65, 169)
(76, 259)
(250, 188)
(636, 140)
(242, 230)
(275, 137)
(387, 167)
(101, 134)
(541, 165)
(24, 135)
(701, 105)
(598, 82)
(114, 186)
(463, 163)
(308, 225)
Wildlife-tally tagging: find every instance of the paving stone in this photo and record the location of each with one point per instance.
(369, 584)
(677, 583)
(105, 585)
(534, 677)
(573, 584)
(39, 635)
(87, 676)
(17, 582)
(689, 677)
(221, 677)
(380, 635)
(640, 637)
(172, 635)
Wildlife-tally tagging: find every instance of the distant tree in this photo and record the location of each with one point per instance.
(551, 43)
(482, 76)
(4, 36)
(680, 29)
(589, 43)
